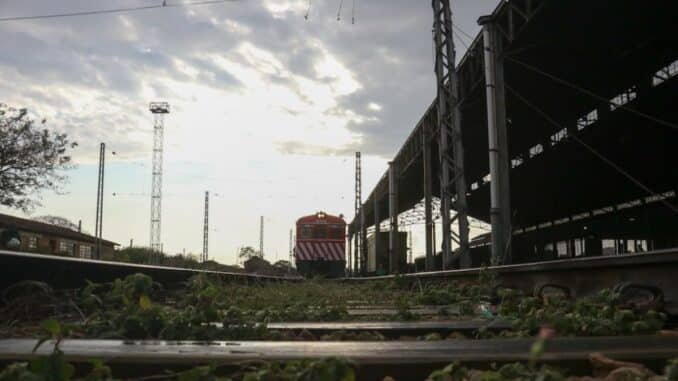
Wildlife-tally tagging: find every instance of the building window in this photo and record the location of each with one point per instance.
(579, 247)
(561, 248)
(85, 251)
(65, 247)
(609, 247)
(32, 242)
(548, 249)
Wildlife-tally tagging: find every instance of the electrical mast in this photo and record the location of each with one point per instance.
(206, 228)
(291, 247)
(261, 236)
(100, 201)
(451, 149)
(159, 109)
(358, 202)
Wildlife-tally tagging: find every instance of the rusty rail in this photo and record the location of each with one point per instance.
(404, 359)
(581, 276)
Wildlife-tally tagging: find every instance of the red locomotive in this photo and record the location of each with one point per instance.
(320, 246)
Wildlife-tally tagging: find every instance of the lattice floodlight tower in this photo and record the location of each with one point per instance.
(206, 229)
(159, 109)
(451, 149)
(357, 253)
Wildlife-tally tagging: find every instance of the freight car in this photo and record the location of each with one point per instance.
(320, 245)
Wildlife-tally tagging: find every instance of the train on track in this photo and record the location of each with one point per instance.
(320, 245)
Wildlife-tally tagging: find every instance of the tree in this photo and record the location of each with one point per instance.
(283, 264)
(258, 265)
(59, 221)
(247, 252)
(31, 159)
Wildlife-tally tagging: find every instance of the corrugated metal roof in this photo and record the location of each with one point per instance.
(23, 224)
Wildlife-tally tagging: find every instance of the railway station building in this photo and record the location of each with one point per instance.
(21, 234)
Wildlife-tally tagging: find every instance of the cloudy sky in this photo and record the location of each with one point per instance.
(267, 107)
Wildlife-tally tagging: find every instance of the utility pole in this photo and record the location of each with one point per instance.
(261, 236)
(451, 149)
(377, 233)
(100, 200)
(357, 209)
(394, 248)
(206, 228)
(291, 253)
(500, 209)
(158, 109)
(428, 198)
(410, 248)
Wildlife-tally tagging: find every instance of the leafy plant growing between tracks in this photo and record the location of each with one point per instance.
(207, 308)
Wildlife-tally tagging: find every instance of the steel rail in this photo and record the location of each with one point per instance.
(405, 359)
(582, 276)
(70, 272)
(394, 329)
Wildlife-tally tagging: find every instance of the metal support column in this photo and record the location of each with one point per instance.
(358, 230)
(100, 200)
(452, 179)
(261, 236)
(291, 252)
(377, 229)
(393, 242)
(428, 199)
(363, 242)
(500, 211)
(349, 254)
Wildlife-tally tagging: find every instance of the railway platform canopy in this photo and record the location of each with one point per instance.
(589, 90)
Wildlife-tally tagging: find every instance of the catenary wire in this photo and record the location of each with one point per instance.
(592, 94)
(461, 41)
(595, 152)
(115, 10)
(341, 5)
(308, 10)
(454, 25)
(575, 86)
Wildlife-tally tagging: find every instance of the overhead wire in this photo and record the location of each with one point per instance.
(308, 10)
(164, 4)
(575, 86)
(454, 25)
(591, 93)
(466, 46)
(595, 152)
(341, 5)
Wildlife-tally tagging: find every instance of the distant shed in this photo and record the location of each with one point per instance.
(23, 234)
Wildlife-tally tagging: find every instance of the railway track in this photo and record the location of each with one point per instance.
(578, 276)
(407, 350)
(69, 272)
